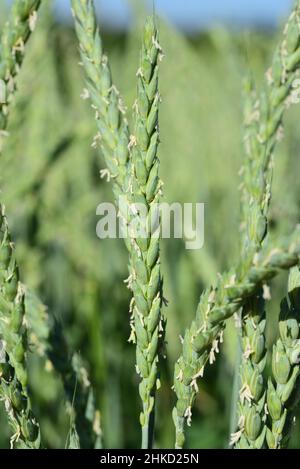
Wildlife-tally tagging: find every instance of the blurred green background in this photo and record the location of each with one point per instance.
(51, 186)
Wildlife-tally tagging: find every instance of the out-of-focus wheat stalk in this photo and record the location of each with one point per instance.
(13, 330)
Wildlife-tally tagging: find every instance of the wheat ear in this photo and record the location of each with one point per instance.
(263, 118)
(263, 130)
(147, 322)
(113, 132)
(13, 330)
(283, 389)
(202, 338)
(136, 179)
(15, 34)
(13, 334)
(251, 399)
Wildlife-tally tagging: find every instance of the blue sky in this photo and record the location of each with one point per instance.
(195, 14)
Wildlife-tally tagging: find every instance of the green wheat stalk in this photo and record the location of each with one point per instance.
(46, 338)
(202, 338)
(146, 281)
(113, 134)
(263, 130)
(283, 390)
(15, 34)
(250, 430)
(137, 181)
(13, 339)
(13, 331)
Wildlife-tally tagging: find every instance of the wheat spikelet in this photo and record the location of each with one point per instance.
(283, 389)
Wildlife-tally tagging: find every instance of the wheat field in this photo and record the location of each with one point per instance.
(180, 129)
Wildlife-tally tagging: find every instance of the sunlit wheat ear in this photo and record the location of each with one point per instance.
(147, 321)
(263, 130)
(133, 166)
(202, 338)
(113, 133)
